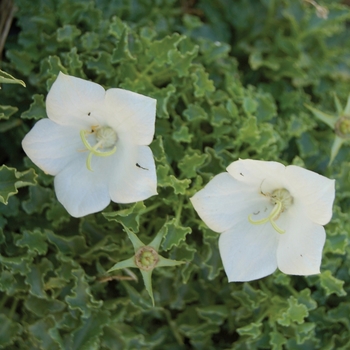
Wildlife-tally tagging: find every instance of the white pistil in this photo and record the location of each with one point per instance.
(282, 200)
(106, 138)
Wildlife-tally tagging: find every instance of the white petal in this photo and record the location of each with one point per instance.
(51, 146)
(76, 102)
(82, 191)
(248, 251)
(132, 115)
(315, 193)
(224, 201)
(264, 175)
(133, 174)
(300, 248)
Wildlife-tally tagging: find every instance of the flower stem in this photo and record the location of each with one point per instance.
(178, 211)
(13, 308)
(150, 208)
(173, 328)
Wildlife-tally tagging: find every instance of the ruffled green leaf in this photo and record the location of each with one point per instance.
(174, 234)
(130, 217)
(6, 112)
(9, 330)
(331, 284)
(11, 180)
(9, 79)
(80, 297)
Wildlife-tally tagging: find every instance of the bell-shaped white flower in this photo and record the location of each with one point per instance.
(95, 144)
(269, 215)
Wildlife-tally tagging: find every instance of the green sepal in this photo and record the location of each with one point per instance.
(123, 264)
(164, 262)
(328, 119)
(337, 143)
(347, 107)
(137, 244)
(147, 280)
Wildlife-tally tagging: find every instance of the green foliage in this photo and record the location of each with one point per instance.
(232, 80)
(11, 180)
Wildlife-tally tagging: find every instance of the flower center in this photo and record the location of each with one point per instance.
(106, 139)
(146, 258)
(282, 200)
(342, 127)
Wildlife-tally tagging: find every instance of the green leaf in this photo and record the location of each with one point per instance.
(129, 218)
(71, 245)
(39, 199)
(67, 33)
(112, 338)
(117, 27)
(81, 297)
(179, 186)
(34, 240)
(42, 307)
(331, 284)
(7, 111)
(9, 330)
(37, 109)
(163, 96)
(41, 331)
(295, 313)
(22, 60)
(277, 340)
(216, 314)
(191, 162)
(249, 131)
(90, 41)
(201, 82)
(9, 79)
(11, 180)
(121, 52)
(184, 252)
(159, 49)
(174, 234)
(249, 296)
(250, 105)
(19, 264)
(220, 116)
(252, 330)
(102, 64)
(182, 134)
(35, 277)
(88, 335)
(195, 112)
(181, 63)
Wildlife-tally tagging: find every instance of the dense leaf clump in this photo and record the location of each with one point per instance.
(231, 79)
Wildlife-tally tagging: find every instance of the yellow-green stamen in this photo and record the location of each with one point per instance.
(282, 200)
(94, 149)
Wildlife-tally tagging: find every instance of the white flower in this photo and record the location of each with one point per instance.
(269, 216)
(95, 144)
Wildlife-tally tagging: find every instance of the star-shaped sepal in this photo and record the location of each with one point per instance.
(146, 259)
(340, 123)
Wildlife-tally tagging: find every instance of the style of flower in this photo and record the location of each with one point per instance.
(146, 258)
(340, 123)
(95, 144)
(269, 215)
